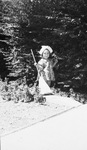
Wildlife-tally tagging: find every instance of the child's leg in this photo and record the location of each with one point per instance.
(52, 84)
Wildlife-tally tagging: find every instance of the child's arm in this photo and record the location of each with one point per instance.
(54, 61)
(40, 66)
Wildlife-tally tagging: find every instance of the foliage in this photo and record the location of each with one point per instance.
(19, 91)
(60, 24)
(4, 43)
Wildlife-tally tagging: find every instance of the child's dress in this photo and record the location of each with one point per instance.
(45, 68)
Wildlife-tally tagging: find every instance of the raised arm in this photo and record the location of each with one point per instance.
(54, 61)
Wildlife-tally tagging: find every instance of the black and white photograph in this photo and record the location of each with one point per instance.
(43, 74)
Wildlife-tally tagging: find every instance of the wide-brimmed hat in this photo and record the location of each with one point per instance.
(43, 48)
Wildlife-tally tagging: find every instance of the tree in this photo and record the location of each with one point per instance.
(4, 45)
(60, 24)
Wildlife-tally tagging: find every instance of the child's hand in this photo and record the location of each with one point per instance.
(35, 64)
(54, 56)
(55, 60)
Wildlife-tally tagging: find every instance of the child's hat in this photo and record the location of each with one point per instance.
(44, 47)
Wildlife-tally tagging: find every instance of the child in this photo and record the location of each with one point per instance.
(45, 65)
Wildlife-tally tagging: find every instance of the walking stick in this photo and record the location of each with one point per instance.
(34, 62)
(34, 59)
(33, 56)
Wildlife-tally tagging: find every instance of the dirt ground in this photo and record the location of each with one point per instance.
(14, 116)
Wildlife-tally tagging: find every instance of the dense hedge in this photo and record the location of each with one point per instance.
(60, 24)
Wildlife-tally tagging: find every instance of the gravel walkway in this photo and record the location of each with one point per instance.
(14, 116)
